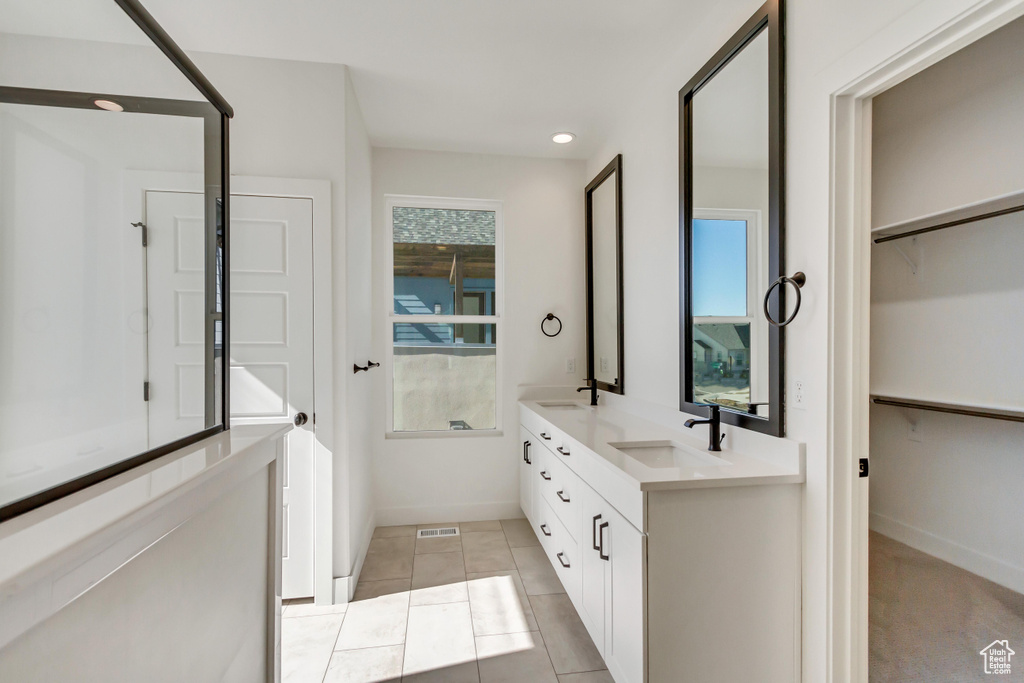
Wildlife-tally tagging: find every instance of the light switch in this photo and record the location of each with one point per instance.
(570, 366)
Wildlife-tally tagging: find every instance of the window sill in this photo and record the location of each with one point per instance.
(450, 434)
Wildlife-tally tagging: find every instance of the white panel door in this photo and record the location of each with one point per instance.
(271, 340)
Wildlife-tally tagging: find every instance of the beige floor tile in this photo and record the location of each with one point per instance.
(439, 636)
(394, 531)
(438, 569)
(490, 525)
(524, 600)
(535, 569)
(486, 551)
(496, 606)
(374, 589)
(306, 646)
(460, 673)
(389, 558)
(514, 658)
(589, 677)
(375, 623)
(519, 533)
(308, 609)
(449, 544)
(369, 665)
(439, 595)
(566, 637)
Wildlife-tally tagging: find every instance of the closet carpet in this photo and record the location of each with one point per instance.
(929, 619)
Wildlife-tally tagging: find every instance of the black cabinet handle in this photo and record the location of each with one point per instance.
(562, 451)
(544, 435)
(561, 497)
(561, 558)
(601, 549)
(545, 476)
(526, 453)
(593, 532)
(544, 530)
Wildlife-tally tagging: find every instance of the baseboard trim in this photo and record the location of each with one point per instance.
(986, 566)
(345, 586)
(473, 512)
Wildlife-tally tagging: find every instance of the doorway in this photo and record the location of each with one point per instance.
(272, 374)
(881, 566)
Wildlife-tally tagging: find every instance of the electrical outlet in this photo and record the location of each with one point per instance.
(916, 429)
(570, 366)
(798, 393)
(604, 364)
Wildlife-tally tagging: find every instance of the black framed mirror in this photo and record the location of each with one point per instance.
(604, 278)
(732, 228)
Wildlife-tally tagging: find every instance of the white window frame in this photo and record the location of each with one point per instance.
(755, 270)
(390, 202)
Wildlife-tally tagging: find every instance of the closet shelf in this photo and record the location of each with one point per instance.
(968, 213)
(954, 408)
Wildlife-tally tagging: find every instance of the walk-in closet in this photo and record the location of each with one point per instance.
(946, 567)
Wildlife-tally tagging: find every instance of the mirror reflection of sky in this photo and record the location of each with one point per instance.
(719, 268)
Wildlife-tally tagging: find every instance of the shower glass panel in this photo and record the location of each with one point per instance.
(99, 294)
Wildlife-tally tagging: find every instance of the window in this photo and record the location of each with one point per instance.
(725, 305)
(444, 315)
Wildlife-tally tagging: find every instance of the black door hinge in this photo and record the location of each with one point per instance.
(145, 232)
(863, 467)
(145, 391)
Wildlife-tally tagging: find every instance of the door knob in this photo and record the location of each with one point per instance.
(301, 419)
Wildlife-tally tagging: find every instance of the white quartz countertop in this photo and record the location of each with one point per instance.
(595, 428)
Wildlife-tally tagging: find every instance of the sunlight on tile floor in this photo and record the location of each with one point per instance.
(481, 607)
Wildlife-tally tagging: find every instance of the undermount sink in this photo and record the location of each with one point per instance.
(667, 454)
(559, 405)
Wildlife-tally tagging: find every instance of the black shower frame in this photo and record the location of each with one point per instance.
(216, 114)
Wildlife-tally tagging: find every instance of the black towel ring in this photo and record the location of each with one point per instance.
(798, 280)
(550, 316)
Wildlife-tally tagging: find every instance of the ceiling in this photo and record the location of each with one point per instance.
(493, 76)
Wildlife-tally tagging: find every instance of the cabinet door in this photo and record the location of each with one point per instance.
(596, 571)
(526, 473)
(625, 633)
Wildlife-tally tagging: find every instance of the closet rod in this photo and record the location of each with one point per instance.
(949, 224)
(973, 411)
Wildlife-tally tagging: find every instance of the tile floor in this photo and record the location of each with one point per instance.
(482, 607)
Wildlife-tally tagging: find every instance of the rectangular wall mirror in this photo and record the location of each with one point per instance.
(731, 228)
(604, 278)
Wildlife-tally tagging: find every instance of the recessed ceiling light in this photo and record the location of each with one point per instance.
(108, 105)
(563, 138)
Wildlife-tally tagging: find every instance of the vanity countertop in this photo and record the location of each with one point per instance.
(596, 427)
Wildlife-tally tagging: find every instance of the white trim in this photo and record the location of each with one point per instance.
(319, 191)
(848, 324)
(390, 318)
(427, 514)
(345, 586)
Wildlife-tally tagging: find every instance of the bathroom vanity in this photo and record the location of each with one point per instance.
(684, 565)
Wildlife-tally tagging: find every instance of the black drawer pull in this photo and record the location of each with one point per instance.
(593, 532)
(544, 530)
(544, 435)
(561, 558)
(601, 549)
(562, 451)
(561, 497)
(544, 475)
(526, 452)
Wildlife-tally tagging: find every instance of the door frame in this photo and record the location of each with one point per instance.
(137, 183)
(849, 325)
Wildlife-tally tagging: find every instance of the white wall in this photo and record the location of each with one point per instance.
(357, 486)
(461, 479)
(830, 44)
(951, 332)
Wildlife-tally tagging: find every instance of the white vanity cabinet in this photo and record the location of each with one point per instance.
(667, 567)
(526, 469)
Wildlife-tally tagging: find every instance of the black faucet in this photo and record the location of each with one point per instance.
(715, 422)
(592, 388)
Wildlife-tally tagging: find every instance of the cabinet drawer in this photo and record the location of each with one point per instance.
(562, 551)
(563, 493)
